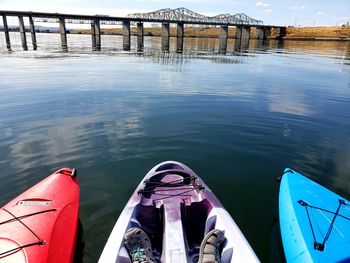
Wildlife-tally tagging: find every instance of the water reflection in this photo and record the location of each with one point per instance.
(288, 101)
(241, 45)
(168, 57)
(185, 57)
(114, 43)
(179, 44)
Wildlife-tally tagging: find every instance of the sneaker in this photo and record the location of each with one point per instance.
(211, 247)
(138, 245)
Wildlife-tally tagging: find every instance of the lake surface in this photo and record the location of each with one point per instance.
(237, 120)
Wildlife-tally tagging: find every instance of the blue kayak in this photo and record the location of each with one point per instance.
(314, 221)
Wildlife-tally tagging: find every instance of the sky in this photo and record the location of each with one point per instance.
(271, 12)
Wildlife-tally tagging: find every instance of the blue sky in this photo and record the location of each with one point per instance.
(273, 12)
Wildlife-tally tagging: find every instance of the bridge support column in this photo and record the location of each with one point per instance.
(22, 31)
(96, 35)
(267, 32)
(180, 38)
(238, 34)
(282, 32)
(126, 35)
(245, 32)
(263, 33)
(7, 35)
(93, 36)
(63, 33)
(140, 34)
(32, 32)
(242, 32)
(259, 33)
(223, 39)
(165, 36)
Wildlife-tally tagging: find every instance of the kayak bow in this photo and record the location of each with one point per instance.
(314, 221)
(41, 224)
(176, 210)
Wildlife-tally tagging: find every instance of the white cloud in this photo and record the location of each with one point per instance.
(188, 1)
(320, 13)
(297, 7)
(262, 4)
(268, 11)
(289, 102)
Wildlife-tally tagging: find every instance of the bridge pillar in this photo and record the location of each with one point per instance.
(267, 32)
(165, 36)
(63, 33)
(22, 31)
(140, 34)
(7, 35)
(223, 39)
(93, 36)
(242, 32)
(96, 35)
(263, 32)
(282, 32)
(245, 32)
(238, 34)
(126, 35)
(32, 32)
(180, 37)
(259, 33)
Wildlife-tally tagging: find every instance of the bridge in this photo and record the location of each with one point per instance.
(179, 16)
(190, 17)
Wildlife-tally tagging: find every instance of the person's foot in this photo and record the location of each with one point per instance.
(138, 245)
(211, 247)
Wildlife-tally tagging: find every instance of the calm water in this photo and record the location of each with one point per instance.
(238, 120)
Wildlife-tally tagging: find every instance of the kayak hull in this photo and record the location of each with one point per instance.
(176, 209)
(312, 221)
(41, 224)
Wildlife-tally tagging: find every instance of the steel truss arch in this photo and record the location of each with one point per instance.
(184, 14)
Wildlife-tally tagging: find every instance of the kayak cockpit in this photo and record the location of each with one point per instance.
(173, 213)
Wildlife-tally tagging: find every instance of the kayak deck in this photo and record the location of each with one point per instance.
(40, 225)
(176, 210)
(314, 221)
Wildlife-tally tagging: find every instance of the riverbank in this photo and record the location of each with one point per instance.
(293, 33)
(318, 33)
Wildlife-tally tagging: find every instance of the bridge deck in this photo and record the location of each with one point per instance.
(111, 20)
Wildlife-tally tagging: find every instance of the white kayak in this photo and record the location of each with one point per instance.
(176, 210)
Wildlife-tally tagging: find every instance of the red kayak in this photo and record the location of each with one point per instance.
(41, 224)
